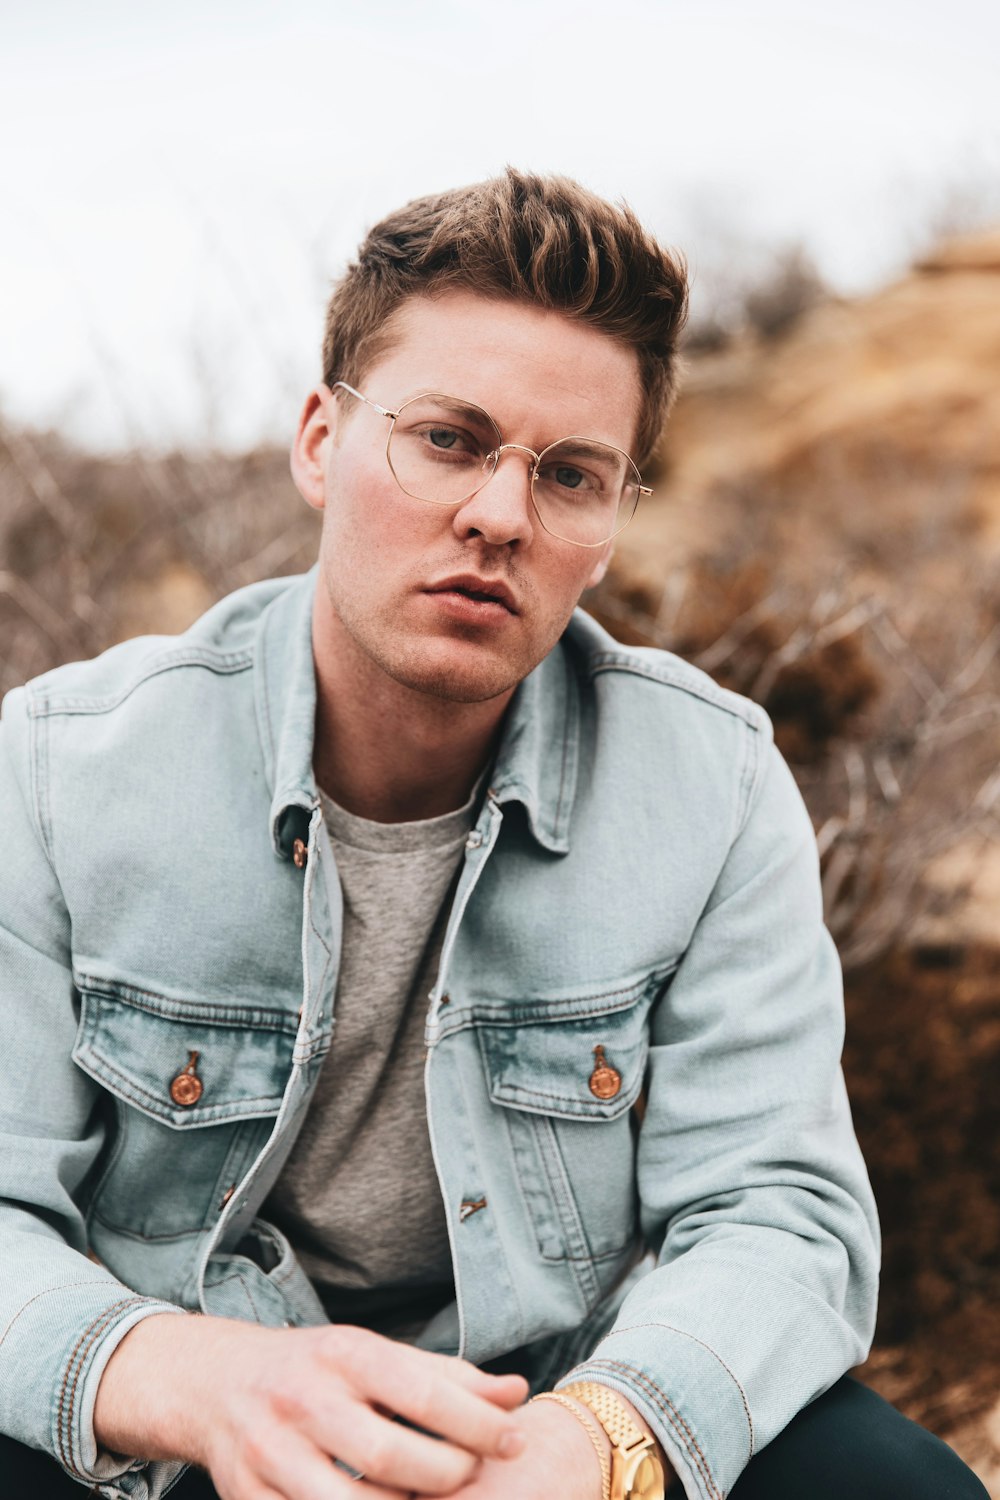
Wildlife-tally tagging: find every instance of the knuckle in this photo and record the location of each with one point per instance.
(256, 1450)
(341, 1342)
(379, 1451)
(461, 1471)
(287, 1403)
(424, 1404)
(332, 1339)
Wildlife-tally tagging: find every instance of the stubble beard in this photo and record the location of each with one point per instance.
(419, 663)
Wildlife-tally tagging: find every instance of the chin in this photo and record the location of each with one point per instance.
(459, 687)
(461, 681)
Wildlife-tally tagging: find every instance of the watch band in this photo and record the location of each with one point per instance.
(629, 1440)
(620, 1427)
(584, 1417)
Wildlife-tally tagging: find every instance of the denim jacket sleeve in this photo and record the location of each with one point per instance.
(61, 1314)
(753, 1189)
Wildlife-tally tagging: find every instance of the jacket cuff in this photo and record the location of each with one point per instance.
(84, 1359)
(700, 1388)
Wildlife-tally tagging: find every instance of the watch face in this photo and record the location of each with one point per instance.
(647, 1481)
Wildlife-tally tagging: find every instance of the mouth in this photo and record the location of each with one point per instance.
(479, 591)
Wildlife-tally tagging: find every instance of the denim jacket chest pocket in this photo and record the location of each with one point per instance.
(195, 1088)
(566, 1075)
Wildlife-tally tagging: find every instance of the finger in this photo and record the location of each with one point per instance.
(397, 1456)
(439, 1394)
(506, 1390)
(376, 1492)
(361, 1489)
(223, 1488)
(479, 1425)
(293, 1468)
(510, 1391)
(447, 1409)
(344, 1344)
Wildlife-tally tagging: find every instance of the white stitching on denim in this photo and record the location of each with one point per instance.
(70, 703)
(751, 778)
(46, 1291)
(632, 1327)
(237, 1277)
(740, 708)
(134, 1093)
(197, 1012)
(66, 1414)
(646, 1387)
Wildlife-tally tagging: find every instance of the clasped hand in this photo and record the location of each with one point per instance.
(287, 1401)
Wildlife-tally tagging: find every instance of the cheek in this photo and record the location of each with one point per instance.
(375, 538)
(361, 508)
(562, 585)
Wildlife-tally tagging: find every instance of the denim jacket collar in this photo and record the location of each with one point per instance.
(536, 763)
(286, 710)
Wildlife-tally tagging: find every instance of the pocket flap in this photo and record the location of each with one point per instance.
(137, 1044)
(585, 1067)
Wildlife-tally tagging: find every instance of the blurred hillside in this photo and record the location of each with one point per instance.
(824, 536)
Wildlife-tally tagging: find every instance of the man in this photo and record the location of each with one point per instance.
(426, 990)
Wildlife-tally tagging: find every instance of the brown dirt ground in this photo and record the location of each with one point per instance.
(923, 1065)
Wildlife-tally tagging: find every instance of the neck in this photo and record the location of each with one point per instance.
(389, 752)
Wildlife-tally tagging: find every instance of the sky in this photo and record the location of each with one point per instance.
(179, 183)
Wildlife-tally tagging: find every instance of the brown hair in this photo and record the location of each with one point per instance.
(541, 240)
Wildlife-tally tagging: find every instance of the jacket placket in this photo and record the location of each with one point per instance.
(320, 949)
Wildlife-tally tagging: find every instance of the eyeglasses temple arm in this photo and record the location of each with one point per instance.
(383, 411)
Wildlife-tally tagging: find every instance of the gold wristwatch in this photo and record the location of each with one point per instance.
(636, 1469)
(636, 1466)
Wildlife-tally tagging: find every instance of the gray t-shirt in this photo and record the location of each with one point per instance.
(359, 1197)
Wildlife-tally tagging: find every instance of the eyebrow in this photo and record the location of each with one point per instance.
(457, 405)
(581, 447)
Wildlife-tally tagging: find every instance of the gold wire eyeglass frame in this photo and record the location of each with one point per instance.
(494, 459)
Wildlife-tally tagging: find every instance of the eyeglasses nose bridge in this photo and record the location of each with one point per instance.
(494, 457)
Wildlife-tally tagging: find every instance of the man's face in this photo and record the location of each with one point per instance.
(398, 574)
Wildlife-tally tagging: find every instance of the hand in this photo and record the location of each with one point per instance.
(265, 1410)
(558, 1459)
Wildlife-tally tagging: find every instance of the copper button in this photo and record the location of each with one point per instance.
(605, 1081)
(187, 1087)
(299, 854)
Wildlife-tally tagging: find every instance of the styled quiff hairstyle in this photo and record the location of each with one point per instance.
(546, 241)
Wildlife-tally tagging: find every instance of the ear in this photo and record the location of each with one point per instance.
(601, 565)
(308, 455)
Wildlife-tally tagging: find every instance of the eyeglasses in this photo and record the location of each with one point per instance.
(445, 451)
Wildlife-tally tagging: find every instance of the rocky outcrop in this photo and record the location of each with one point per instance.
(886, 393)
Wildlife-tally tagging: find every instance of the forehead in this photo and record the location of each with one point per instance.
(540, 374)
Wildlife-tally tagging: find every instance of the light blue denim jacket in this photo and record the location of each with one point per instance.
(642, 879)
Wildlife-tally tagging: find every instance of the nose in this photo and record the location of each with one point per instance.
(502, 512)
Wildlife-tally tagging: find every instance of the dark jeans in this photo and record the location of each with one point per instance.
(847, 1445)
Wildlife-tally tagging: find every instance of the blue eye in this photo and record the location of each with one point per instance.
(570, 479)
(443, 437)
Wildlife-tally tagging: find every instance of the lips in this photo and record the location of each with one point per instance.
(486, 590)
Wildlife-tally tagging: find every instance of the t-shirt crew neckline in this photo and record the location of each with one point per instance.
(401, 838)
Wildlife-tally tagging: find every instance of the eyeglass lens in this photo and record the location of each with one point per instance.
(444, 451)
